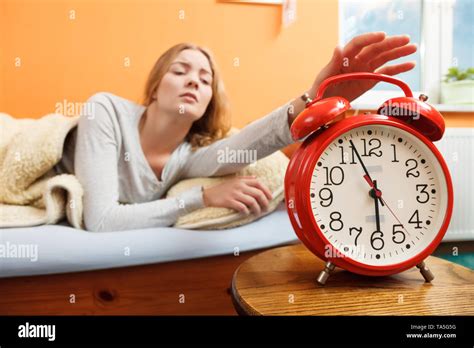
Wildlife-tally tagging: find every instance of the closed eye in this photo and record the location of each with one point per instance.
(182, 73)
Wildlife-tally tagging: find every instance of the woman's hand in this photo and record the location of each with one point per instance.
(243, 193)
(364, 53)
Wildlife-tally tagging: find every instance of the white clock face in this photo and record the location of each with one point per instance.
(386, 213)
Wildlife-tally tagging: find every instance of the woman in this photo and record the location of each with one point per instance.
(130, 153)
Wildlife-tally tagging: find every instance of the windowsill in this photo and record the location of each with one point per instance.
(439, 107)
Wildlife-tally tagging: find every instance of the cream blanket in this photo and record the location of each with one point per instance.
(31, 193)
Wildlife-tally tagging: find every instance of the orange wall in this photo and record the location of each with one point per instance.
(459, 119)
(65, 59)
(72, 59)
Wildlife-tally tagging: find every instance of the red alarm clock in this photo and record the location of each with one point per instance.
(371, 193)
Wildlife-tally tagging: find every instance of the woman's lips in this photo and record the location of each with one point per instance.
(189, 98)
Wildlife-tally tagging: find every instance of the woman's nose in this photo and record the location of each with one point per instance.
(192, 82)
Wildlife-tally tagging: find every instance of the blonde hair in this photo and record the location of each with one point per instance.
(215, 122)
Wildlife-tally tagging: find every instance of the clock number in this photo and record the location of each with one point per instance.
(344, 156)
(409, 173)
(400, 234)
(332, 178)
(324, 199)
(417, 221)
(336, 220)
(423, 190)
(359, 230)
(377, 145)
(376, 237)
(394, 153)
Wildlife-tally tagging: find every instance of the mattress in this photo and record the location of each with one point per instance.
(50, 249)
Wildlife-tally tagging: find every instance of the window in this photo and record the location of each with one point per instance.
(463, 34)
(442, 29)
(395, 18)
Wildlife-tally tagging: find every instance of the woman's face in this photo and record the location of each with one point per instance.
(186, 88)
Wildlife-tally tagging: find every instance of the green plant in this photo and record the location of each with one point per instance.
(456, 74)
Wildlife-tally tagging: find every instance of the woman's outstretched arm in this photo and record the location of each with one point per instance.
(367, 52)
(96, 167)
(253, 142)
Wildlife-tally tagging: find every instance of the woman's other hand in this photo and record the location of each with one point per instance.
(245, 194)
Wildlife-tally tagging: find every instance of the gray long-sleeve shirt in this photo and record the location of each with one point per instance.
(121, 191)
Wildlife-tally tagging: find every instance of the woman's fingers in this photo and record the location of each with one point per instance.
(354, 46)
(396, 53)
(396, 69)
(389, 43)
(250, 202)
(256, 183)
(259, 195)
(240, 207)
(254, 194)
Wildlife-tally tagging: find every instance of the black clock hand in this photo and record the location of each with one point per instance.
(367, 177)
(376, 200)
(377, 194)
(360, 160)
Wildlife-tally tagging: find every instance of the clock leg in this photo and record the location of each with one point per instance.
(324, 275)
(425, 271)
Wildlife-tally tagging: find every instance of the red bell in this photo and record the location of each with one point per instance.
(424, 117)
(317, 114)
(415, 112)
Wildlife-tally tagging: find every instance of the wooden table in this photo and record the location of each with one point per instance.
(282, 281)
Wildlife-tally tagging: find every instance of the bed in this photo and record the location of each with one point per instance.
(149, 271)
